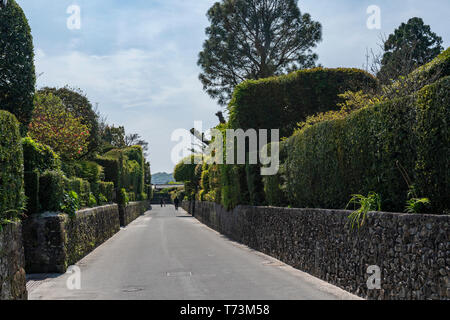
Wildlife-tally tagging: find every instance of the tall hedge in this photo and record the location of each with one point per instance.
(368, 151)
(12, 196)
(17, 73)
(282, 102)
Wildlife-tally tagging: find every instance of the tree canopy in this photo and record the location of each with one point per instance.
(17, 72)
(55, 126)
(253, 39)
(79, 105)
(410, 46)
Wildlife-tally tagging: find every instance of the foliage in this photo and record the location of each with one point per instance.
(38, 156)
(253, 40)
(123, 197)
(81, 187)
(185, 169)
(106, 190)
(92, 200)
(102, 200)
(113, 137)
(17, 73)
(31, 182)
(71, 204)
(54, 126)
(366, 204)
(282, 102)
(411, 45)
(76, 102)
(416, 205)
(51, 190)
(12, 198)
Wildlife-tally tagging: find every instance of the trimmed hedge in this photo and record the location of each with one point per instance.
(12, 198)
(328, 162)
(81, 187)
(38, 156)
(282, 102)
(51, 190)
(107, 190)
(31, 179)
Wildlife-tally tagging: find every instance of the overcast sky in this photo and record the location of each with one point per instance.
(137, 58)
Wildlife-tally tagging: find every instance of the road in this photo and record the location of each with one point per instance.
(166, 254)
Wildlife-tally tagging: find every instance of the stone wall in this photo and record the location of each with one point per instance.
(52, 241)
(132, 211)
(412, 251)
(12, 263)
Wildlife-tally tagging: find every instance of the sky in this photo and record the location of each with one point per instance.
(137, 59)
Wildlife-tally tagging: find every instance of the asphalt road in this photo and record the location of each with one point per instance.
(167, 254)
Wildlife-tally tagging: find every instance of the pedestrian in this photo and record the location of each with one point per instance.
(161, 202)
(176, 202)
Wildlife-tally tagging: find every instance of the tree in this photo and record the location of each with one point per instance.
(17, 73)
(134, 139)
(410, 46)
(58, 128)
(79, 105)
(253, 39)
(113, 137)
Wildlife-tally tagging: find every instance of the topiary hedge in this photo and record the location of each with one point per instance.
(81, 187)
(51, 190)
(282, 102)
(107, 190)
(368, 151)
(12, 198)
(38, 156)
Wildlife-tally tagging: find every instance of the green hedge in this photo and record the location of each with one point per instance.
(81, 187)
(282, 102)
(329, 161)
(31, 179)
(38, 156)
(107, 190)
(51, 190)
(12, 198)
(111, 169)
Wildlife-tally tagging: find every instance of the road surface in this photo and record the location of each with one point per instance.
(167, 254)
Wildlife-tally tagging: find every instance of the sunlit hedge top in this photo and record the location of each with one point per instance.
(282, 102)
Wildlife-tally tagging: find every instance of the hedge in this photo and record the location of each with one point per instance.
(282, 102)
(81, 187)
(107, 190)
(367, 151)
(31, 179)
(51, 190)
(12, 198)
(38, 156)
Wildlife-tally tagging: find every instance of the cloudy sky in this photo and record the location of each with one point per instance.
(137, 58)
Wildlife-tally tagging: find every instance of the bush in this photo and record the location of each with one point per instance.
(374, 149)
(31, 179)
(38, 156)
(123, 197)
(92, 201)
(106, 189)
(102, 200)
(111, 169)
(12, 198)
(71, 203)
(51, 190)
(282, 102)
(81, 187)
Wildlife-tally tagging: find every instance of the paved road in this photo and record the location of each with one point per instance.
(169, 255)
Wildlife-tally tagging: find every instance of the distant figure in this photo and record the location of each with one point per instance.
(164, 202)
(176, 202)
(161, 202)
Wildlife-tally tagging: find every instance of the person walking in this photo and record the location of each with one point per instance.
(177, 203)
(161, 202)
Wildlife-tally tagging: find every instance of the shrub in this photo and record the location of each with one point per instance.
(102, 200)
(38, 156)
(282, 102)
(92, 201)
(123, 197)
(330, 161)
(17, 84)
(366, 204)
(31, 179)
(111, 169)
(71, 203)
(12, 198)
(106, 189)
(81, 187)
(51, 190)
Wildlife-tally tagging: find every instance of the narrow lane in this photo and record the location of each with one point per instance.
(167, 254)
